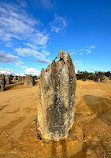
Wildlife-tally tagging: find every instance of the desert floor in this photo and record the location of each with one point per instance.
(90, 136)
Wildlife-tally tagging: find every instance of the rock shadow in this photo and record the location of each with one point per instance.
(10, 86)
(64, 153)
(100, 106)
(1, 108)
(36, 82)
(64, 148)
(54, 148)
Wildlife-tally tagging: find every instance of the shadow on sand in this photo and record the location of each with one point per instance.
(64, 153)
(53, 149)
(10, 86)
(54, 146)
(100, 106)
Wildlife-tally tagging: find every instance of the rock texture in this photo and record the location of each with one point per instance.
(105, 79)
(19, 78)
(23, 78)
(14, 78)
(7, 79)
(36, 77)
(57, 97)
(29, 80)
(2, 82)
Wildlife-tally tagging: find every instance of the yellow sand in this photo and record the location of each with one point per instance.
(90, 136)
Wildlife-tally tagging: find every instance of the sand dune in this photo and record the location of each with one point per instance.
(90, 136)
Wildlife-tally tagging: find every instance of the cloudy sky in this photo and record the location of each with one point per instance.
(33, 31)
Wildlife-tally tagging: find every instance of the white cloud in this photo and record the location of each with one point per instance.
(16, 74)
(76, 71)
(40, 39)
(6, 71)
(58, 24)
(6, 58)
(32, 71)
(45, 52)
(72, 51)
(9, 58)
(15, 23)
(87, 50)
(30, 52)
(9, 44)
(31, 46)
(91, 47)
(19, 63)
(40, 61)
(81, 53)
(76, 62)
(93, 69)
(22, 74)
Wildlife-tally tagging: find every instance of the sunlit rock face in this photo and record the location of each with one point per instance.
(29, 80)
(57, 97)
(2, 82)
(7, 79)
(14, 78)
(19, 78)
(23, 78)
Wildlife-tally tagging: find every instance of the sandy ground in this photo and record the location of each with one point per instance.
(90, 136)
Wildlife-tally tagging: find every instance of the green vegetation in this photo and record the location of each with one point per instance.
(96, 76)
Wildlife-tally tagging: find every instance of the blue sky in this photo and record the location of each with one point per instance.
(33, 31)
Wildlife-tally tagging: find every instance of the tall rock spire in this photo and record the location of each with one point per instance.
(57, 97)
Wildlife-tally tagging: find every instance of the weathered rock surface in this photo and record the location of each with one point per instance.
(57, 97)
(105, 79)
(7, 79)
(29, 80)
(37, 78)
(15, 78)
(2, 82)
(19, 78)
(23, 78)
